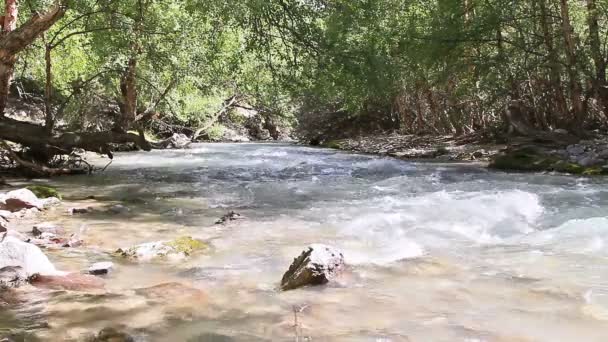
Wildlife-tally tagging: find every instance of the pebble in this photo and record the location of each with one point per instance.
(101, 268)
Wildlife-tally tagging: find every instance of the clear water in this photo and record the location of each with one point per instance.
(436, 252)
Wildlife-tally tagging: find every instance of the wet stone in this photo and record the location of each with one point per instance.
(20, 199)
(111, 335)
(75, 211)
(231, 216)
(317, 265)
(47, 227)
(101, 268)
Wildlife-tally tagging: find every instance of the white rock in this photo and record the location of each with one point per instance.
(50, 202)
(7, 215)
(16, 253)
(20, 199)
(152, 250)
(46, 227)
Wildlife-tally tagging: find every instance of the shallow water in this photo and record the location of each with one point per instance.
(437, 252)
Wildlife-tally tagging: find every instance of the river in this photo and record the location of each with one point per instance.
(436, 251)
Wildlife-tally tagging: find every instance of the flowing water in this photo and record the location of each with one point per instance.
(436, 252)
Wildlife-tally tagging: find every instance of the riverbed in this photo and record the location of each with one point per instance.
(435, 251)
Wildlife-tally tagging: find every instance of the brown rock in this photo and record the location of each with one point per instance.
(173, 292)
(317, 265)
(70, 282)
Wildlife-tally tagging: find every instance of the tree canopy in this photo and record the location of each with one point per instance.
(440, 67)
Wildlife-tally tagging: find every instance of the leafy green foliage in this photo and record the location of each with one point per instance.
(419, 66)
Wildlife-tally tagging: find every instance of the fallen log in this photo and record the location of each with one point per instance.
(36, 137)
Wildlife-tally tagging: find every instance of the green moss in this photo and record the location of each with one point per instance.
(566, 167)
(43, 191)
(530, 160)
(187, 245)
(523, 160)
(593, 171)
(335, 144)
(215, 132)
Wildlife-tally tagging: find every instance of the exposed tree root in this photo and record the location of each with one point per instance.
(39, 169)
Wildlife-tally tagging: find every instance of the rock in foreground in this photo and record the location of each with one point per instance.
(111, 335)
(16, 253)
(69, 282)
(20, 199)
(317, 265)
(231, 216)
(172, 250)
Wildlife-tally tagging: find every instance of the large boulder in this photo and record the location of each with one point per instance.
(177, 141)
(20, 199)
(16, 253)
(317, 265)
(177, 249)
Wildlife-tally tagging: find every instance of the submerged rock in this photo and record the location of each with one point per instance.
(46, 227)
(177, 249)
(69, 282)
(20, 199)
(85, 210)
(119, 209)
(173, 292)
(101, 268)
(317, 265)
(16, 253)
(231, 216)
(111, 335)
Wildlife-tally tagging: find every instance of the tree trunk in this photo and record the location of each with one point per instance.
(16, 40)
(555, 78)
(594, 41)
(7, 65)
(578, 109)
(48, 90)
(34, 136)
(128, 90)
(599, 81)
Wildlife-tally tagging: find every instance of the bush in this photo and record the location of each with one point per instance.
(43, 191)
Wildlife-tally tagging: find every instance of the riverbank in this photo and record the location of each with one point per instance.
(585, 157)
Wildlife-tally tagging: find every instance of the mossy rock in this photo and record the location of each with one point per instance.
(174, 249)
(567, 167)
(332, 144)
(525, 159)
(43, 191)
(187, 245)
(528, 159)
